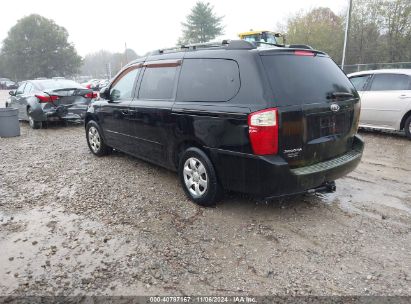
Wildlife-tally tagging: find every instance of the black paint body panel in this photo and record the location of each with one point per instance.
(156, 130)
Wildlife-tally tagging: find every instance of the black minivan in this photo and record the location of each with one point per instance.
(265, 121)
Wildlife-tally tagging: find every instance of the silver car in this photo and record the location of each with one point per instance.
(385, 99)
(39, 101)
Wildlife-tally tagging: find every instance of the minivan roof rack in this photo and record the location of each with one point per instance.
(226, 44)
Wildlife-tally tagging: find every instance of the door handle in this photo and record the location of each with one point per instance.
(125, 112)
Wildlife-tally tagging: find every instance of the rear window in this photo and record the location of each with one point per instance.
(208, 80)
(304, 79)
(54, 84)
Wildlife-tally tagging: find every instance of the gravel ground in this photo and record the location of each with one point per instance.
(72, 223)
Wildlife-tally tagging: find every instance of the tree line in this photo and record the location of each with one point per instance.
(38, 47)
(380, 31)
(100, 64)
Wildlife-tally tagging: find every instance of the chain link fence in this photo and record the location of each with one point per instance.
(351, 68)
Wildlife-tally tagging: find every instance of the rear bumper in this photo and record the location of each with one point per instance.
(77, 112)
(271, 176)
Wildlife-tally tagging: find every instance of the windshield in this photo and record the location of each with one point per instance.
(54, 84)
(305, 79)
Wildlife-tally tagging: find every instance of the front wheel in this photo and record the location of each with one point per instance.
(198, 177)
(95, 141)
(407, 127)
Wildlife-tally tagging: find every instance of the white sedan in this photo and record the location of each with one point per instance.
(385, 99)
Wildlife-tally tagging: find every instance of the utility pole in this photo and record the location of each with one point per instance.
(347, 28)
(108, 66)
(125, 52)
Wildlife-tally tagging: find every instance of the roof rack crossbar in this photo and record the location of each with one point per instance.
(167, 50)
(194, 46)
(228, 44)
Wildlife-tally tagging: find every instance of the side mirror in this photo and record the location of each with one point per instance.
(12, 93)
(105, 93)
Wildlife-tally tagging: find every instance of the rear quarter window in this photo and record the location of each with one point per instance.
(297, 80)
(208, 80)
(390, 82)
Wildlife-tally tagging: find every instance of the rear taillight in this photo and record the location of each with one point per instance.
(47, 98)
(263, 131)
(91, 95)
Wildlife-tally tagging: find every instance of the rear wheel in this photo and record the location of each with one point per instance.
(198, 177)
(407, 127)
(34, 124)
(95, 141)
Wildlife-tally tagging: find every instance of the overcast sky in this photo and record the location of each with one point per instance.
(147, 25)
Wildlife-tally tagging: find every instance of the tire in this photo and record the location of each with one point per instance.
(34, 124)
(95, 141)
(407, 127)
(198, 177)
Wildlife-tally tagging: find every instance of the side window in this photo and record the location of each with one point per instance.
(359, 82)
(122, 87)
(20, 89)
(28, 88)
(390, 82)
(158, 83)
(208, 80)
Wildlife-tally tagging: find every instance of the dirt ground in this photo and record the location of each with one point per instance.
(72, 223)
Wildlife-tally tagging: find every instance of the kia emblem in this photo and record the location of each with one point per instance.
(334, 107)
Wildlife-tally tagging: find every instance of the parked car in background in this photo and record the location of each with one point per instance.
(91, 84)
(103, 83)
(10, 85)
(39, 101)
(385, 99)
(3, 83)
(270, 122)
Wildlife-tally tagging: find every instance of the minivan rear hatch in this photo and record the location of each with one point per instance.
(318, 106)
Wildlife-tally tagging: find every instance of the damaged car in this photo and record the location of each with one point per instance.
(40, 101)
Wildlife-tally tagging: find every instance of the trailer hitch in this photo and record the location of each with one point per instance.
(327, 187)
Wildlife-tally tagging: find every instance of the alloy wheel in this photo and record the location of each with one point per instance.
(94, 139)
(195, 177)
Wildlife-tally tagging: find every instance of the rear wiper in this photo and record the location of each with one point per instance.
(269, 43)
(339, 94)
